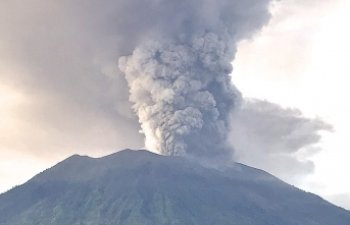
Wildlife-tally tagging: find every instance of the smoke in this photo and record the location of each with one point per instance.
(64, 92)
(182, 94)
(178, 72)
(61, 55)
(276, 139)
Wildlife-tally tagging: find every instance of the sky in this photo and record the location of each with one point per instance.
(60, 95)
(300, 61)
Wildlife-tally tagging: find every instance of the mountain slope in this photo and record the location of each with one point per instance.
(141, 188)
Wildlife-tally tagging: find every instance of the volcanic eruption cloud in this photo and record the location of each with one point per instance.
(179, 70)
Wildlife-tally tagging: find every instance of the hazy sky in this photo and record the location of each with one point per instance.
(61, 92)
(300, 60)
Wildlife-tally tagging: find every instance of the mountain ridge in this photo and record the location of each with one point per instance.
(139, 187)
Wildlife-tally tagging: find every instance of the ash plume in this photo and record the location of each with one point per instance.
(175, 54)
(179, 72)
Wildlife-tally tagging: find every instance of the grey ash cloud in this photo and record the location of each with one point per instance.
(277, 139)
(179, 72)
(85, 67)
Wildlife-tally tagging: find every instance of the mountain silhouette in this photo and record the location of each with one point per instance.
(142, 188)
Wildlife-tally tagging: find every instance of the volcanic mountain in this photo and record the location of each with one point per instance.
(142, 188)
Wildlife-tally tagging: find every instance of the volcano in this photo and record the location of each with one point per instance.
(142, 188)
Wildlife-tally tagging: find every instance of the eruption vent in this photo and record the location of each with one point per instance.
(178, 72)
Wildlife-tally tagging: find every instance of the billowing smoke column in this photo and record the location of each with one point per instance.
(178, 73)
(181, 93)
